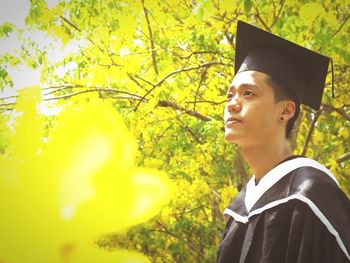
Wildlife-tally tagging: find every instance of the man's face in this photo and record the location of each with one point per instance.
(251, 113)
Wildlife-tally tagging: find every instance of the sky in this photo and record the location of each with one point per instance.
(10, 12)
(15, 12)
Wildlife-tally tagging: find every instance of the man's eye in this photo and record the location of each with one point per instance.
(248, 93)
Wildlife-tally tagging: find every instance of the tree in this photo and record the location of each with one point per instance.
(166, 65)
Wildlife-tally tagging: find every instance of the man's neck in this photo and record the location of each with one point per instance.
(263, 158)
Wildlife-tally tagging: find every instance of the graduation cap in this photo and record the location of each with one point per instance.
(300, 69)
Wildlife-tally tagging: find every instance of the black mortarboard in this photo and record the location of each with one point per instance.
(300, 69)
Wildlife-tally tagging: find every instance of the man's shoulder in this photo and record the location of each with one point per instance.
(309, 184)
(304, 175)
(305, 180)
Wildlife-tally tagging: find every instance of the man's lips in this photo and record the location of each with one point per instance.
(232, 120)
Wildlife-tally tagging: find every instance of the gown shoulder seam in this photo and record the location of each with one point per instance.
(302, 198)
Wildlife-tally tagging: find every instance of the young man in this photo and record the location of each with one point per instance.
(292, 210)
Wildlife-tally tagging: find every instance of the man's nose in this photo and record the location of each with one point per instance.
(234, 105)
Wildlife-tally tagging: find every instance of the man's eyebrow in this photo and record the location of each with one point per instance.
(247, 85)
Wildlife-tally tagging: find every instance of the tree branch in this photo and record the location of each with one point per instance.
(131, 96)
(199, 85)
(96, 89)
(343, 113)
(334, 33)
(64, 86)
(151, 37)
(188, 129)
(241, 170)
(5, 109)
(295, 131)
(257, 15)
(71, 24)
(134, 80)
(166, 103)
(311, 130)
(7, 104)
(174, 13)
(276, 17)
(191, 245)
(343, 158)
(207, 101)
(206, 64)
(111, 90)
(198, 52)
(9, 97)
(158, 139)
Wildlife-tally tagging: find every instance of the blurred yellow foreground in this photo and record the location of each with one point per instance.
(61, 190)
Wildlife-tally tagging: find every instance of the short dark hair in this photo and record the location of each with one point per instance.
(282, 92)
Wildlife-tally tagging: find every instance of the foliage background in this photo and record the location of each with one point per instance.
(165, 66)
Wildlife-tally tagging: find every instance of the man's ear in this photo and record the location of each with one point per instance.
(288, 110)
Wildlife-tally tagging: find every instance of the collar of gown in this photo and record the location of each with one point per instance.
(254, 192)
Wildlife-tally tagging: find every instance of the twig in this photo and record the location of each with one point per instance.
(64, 86)
(69, 86)
(190, 131)
(9, 97)
(192, 246)
(145, 80)
(241, 169)
(123, 97)
(328, 107)
(6, 109)
(334, 33)
(70, 23)
(276, 17)
(343, 158)
(79, 30)
(261, 21)
(131, 96)
(134, 80)
(166, 103)
(198, 52)
(207, 101)
(198, 87)
(174, 13)
(151, 37)
(93, 90)
(158, 139)
(7, 104)
(206, 64)
(311, 130)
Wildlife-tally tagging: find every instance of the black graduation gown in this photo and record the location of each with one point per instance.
(296, 214)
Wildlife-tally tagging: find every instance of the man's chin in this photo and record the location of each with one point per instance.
(231, 138)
